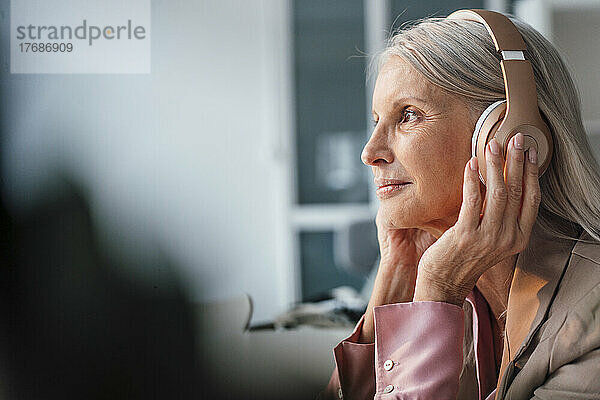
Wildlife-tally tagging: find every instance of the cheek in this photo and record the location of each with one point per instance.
(438, 162)
(438, 172)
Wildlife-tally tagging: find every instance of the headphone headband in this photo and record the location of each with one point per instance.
(522, 112)
(504, 33)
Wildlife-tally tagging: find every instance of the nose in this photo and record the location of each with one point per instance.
(377, 150)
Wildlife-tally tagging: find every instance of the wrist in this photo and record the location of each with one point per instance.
(366, 333)
(394, 283)
(397, 259)
(430, 288)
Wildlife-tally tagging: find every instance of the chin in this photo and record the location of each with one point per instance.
(400, 216)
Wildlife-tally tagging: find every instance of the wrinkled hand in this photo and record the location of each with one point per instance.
(401, 246)
(450, 268)
(400, 251)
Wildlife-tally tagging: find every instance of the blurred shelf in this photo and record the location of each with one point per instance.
(328, 216)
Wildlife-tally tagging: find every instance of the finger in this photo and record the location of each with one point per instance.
(468, 217)
(514, 179)
(531, 193)
(495, 196)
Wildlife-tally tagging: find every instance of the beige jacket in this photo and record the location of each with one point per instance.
(552, 340)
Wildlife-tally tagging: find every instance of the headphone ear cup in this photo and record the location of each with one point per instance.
(485, 129)
(534, 135)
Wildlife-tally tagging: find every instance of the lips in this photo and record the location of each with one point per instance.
(388, 187)
(381, 182)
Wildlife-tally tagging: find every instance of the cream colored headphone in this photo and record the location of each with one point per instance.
(519, 112)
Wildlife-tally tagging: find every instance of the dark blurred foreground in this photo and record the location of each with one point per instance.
(73, 328)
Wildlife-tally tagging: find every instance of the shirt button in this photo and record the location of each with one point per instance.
(388, 389)
(340, 394)
(388, 364)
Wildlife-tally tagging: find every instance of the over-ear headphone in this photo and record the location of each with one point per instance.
(519, 112)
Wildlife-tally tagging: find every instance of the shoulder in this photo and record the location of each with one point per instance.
(579, 288)
(579, 300)
(588, 248)
(579, 333)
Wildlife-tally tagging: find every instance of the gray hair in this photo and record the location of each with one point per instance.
(459, 57)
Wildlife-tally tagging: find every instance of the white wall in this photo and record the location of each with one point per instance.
(575, 32)
(181, 160)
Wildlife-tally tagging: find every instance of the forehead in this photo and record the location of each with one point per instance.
(398, 79)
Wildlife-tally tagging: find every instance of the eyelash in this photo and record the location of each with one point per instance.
(403, 113)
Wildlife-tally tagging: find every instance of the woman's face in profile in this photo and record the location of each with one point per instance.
(422, 136)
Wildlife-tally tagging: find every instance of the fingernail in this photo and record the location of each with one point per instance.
(519, 141)
(532, 155)
(473, 163)
(494, 148)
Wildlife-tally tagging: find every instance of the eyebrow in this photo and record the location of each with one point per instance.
(402, 100)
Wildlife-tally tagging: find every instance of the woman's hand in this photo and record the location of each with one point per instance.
(450, 268)
(400, 251)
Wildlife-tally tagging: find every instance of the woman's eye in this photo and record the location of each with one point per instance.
(406, 114)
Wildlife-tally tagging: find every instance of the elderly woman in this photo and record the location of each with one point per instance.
(482, 291)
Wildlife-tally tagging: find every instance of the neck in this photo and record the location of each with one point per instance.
(494, 285)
